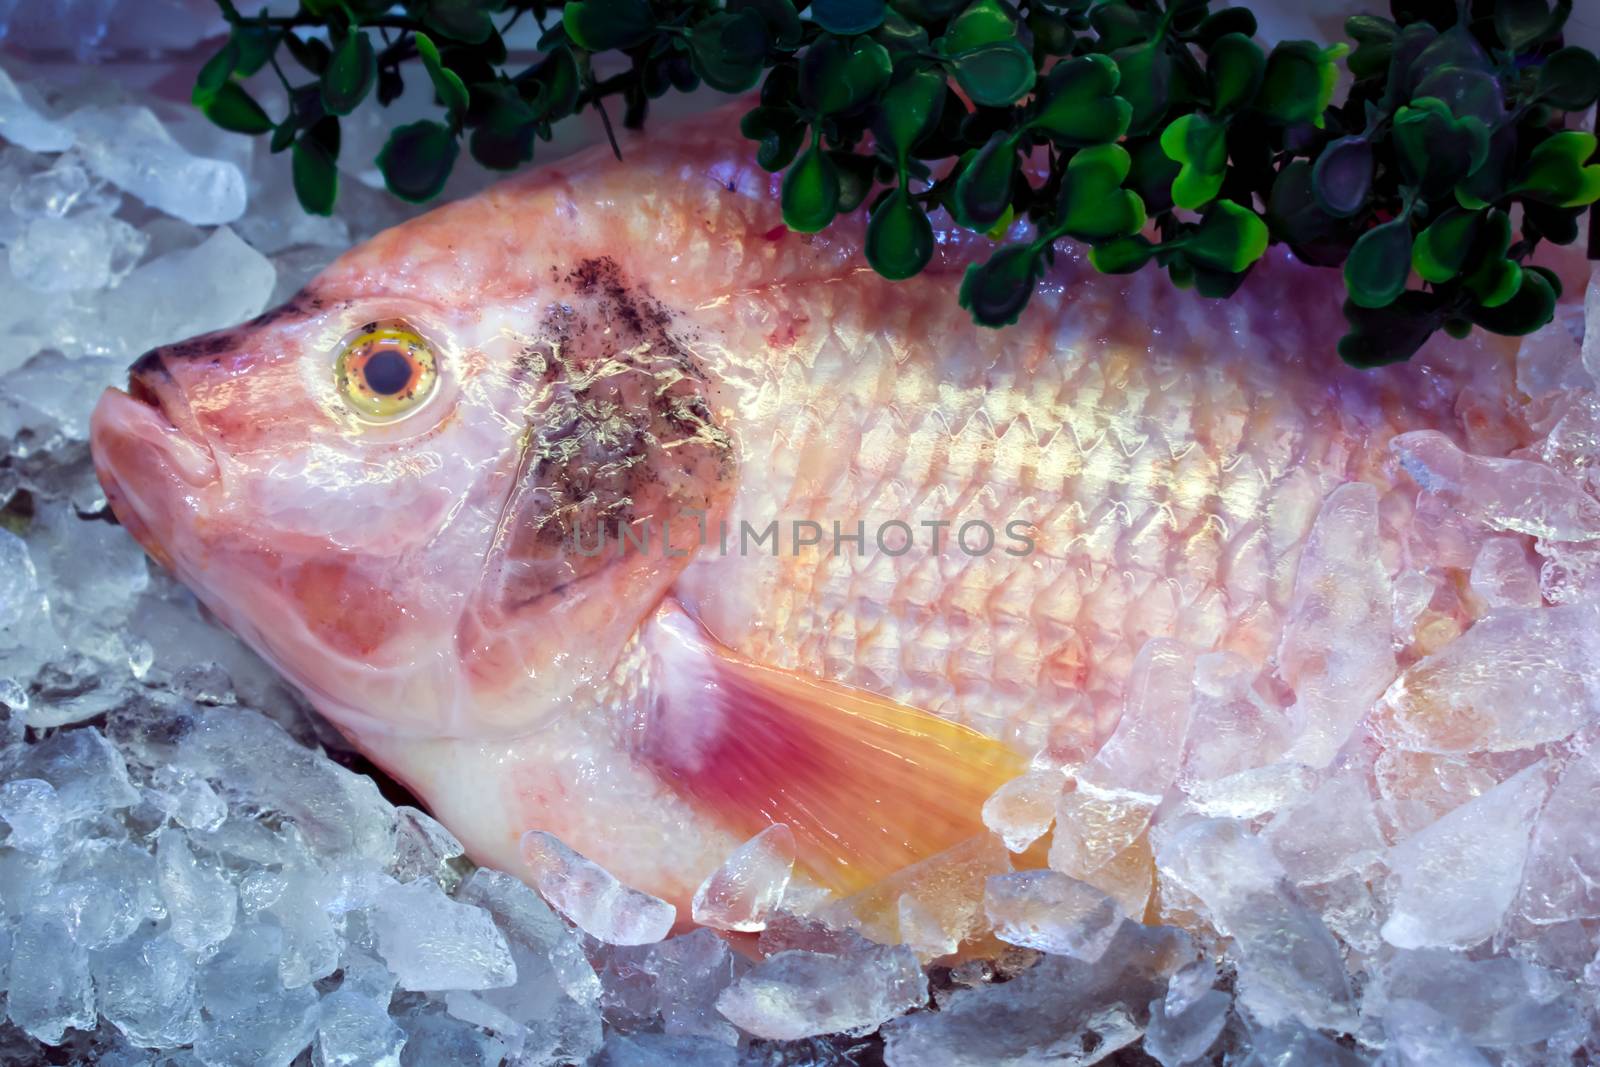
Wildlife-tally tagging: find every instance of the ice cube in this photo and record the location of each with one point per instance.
(434, 1039)
(1062, 1010)
(1494, 1003)
(1505, 495)
(690, 972)
(433, 942)
(664, 1050)
(32, 810)
(799, 994)
(1051, 912)
(749, 886)
(1562, 877)
(89, 775)
(22, 124)
(945, 892)
(1177, 1037)
(146, 988)
(529, 922)
(1548, 359)
(1457, 877)
(1022, 810)
(201, 902)
(356, 1031)
(1336, 650)
(1333, 832)
(1290, 967)
(128, 146)
(1504, 576)
(590, 897)
(54, 192)
(1518, 678)
(51, 989)
(1591, 325)
(248, 1019)
(424, 849)
(106, 890)
(189, 799)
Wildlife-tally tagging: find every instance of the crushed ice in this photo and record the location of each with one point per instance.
(1379, 848)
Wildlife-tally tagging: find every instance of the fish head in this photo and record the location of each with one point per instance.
(413, 508)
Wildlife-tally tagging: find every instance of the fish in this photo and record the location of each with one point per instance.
(604, 505)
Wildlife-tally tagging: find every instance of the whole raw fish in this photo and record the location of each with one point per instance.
(497, 491)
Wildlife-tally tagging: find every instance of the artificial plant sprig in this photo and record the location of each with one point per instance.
(1152, 131)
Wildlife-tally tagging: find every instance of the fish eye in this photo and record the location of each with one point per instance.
(386, 370)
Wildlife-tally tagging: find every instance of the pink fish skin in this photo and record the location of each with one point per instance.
(637, 341)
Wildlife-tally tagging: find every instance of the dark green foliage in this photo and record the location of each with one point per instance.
(1153, 131)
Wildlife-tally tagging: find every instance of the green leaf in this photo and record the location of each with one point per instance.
(233, 109)
(316, 178)
(452, 93)
(1199, 144)
(1229, 238)
(460, 20)
(784, 28)
(848, 17)
(214, 74)
(1441, 250)
(836, 78)
(997, 290)
(982, 22)
(729, 50)
(1220, 24)
(1437, 150)
(1532, 306)
(1077, 104)
(1522, 24)
(558, 73)
(600, 25)
(350, 74)
(899, 237)
(254, 46)
(1152, 173)
(283, 136)
(1392, 334)
(983, 191)
(1375, 38)
(504, 135)
(416, 160)
(1558, 171)
(1093, 206)
(1124, 255)
(908, 112)
(1235, 67)
(780, 132)
(810, 194)
(1570, 79)
(1299, 81)
(995, 75)
(1376, 272)
(1145, 82)
(1342, 176)
(857, 174)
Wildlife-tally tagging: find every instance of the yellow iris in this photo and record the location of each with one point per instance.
(386, 371)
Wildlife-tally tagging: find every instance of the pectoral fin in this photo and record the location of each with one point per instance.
(867, 785)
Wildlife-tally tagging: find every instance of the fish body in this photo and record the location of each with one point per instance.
(643, 346)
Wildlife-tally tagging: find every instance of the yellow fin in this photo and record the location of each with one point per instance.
(867, 785)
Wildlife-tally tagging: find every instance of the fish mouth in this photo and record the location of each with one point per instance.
(150, 455)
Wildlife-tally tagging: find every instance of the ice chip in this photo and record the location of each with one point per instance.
(356, 1031)
(433, 942)
(527, 921)
(89, 775)
(690, 972)
(202, 902)
(1177, 1037)
(51, 193)
(21, 123)
(1503, 495)
(1022, 810)
(32, 810)
(1504, 576)
(1061, 1010)
(1562, 877)
(1493, 1003)
(799, 994)
(146, 988)
(749, 886)
(50, 985)
(424, 849)
(664, 1050)
(1591, 325)
(128, 146)
(943, 894)
(1333, 832)
(189, 799)
(1456, 878)
(248, 1018)
(591, 898)
(1336, 650)
(1520, 677)
(1051, 912)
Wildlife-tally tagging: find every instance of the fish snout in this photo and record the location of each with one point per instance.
(150, 455)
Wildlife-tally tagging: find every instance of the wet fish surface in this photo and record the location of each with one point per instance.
(601, 504)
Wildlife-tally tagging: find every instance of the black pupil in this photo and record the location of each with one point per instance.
(386, 372)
